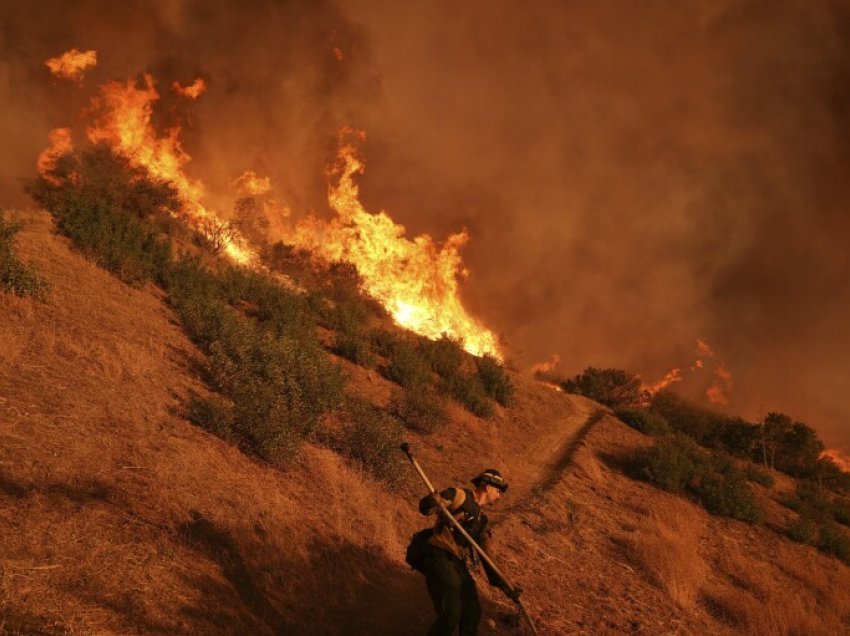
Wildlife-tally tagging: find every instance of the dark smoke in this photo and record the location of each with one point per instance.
(634, 175)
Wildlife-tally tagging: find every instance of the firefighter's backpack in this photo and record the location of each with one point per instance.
(418, 549)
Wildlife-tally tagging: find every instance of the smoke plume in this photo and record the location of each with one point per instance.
(633, 176)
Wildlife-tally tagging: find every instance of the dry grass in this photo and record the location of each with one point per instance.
(118, 517)
(665, 544)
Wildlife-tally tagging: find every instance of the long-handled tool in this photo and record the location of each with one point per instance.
(449, 517)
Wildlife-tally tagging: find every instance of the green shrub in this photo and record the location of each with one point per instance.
(212, 415)
(113, 239)
(804, 530)
(445, 356)
(833, 540)
(723, 490)
(677, 464)
(672, 462)
(407, 367)
(420, 410)
(99, 200)
(371, 438)
(495, 381)
(16, 277)
(841, 511)
(354, 346)
(645, 421)
(105, 178)
(760, 476)
(612, 387)
(384, 342)
(469, 392)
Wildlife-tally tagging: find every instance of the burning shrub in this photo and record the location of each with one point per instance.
(99, 175)
(16, 277)
(645, 421)
(614, 388)
(98, 199)
(495, 381)
(420, 410)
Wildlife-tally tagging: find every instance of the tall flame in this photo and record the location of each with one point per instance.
(415, 280)
(60, 144)
(72, 64)
(548, 366)
(124, 123)
(250, 184)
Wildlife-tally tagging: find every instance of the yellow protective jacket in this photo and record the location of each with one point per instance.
(463, 507)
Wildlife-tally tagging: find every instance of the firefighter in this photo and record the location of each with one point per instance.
(447, 556)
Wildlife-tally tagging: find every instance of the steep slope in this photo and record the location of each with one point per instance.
(118, 516)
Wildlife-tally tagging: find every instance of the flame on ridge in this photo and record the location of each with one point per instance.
(838, 457)
(60, 144)
(415, 280)
(72, 64)
(124, 123)
(717, 392)
(250, 184)
(192, 91)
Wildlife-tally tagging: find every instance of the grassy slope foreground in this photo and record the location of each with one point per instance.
(118, 516)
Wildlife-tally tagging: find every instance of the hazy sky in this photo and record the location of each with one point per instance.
(634, 176)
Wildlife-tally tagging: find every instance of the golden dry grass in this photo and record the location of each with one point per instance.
(665, 544)
(117, 516)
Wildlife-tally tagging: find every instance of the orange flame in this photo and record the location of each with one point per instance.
(547, 367)
(193, 91)
(838, 457)
(72, 64)
(703, 350)
(415, 280)
(124, 123)
(249, 184)
(672, 376)
(717, 392)
(60, 144)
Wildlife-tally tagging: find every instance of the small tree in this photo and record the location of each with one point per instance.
(615, 388)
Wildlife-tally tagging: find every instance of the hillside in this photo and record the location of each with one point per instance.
(119, 516)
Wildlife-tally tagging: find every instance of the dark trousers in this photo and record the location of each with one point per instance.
(453, 593)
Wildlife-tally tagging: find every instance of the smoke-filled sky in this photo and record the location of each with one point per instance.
(634, 176)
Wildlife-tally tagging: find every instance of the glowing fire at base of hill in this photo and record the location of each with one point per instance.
(415, 280)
